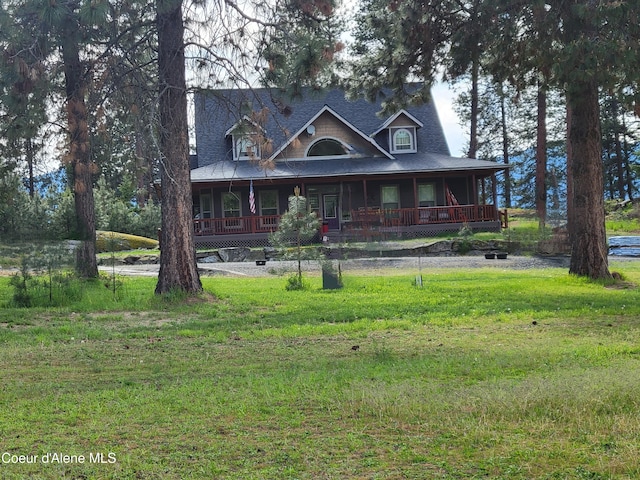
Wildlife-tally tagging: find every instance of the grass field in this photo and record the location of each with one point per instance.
(479, 374)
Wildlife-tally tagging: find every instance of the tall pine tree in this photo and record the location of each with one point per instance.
(280, 43)
(591, 45)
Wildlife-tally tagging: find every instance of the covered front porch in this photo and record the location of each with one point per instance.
(365, 225)
(350, 209)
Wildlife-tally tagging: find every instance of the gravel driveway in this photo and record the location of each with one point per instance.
(387, 265)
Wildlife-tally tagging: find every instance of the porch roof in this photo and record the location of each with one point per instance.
(343, 167)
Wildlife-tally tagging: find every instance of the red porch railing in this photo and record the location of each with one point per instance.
(404, 217)
(370, 219)
(235, 225)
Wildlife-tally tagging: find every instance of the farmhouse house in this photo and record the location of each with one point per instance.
(367, 177)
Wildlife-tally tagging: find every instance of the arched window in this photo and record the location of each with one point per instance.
(326, 147)
(403, 141)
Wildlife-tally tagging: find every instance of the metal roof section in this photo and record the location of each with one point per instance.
(342, 167)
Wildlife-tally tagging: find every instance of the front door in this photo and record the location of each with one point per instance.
(330, 211)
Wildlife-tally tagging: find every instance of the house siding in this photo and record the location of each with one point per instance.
(327, 125)
(402, 121)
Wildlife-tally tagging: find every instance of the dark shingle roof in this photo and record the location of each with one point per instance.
(218, 110)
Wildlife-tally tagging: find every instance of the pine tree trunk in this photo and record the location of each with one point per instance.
(586, 220)
(617, 144)
(79, 155)
(620, 167)
(505, 150)
(178, 269)
(627, 164)
(28, 149)
(473, 137)
(541, 157)
(569, 170)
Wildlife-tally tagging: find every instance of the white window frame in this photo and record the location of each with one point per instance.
(393, 133)
(241, 145)
(224, 210)
(261, 194)
(206, 197)
(269, 220)
(232, 223)
(432, 200)
(397, 195)
(347, 148)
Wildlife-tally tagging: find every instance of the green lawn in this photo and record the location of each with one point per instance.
(479, 374)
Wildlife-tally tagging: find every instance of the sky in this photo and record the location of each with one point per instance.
(443, 96)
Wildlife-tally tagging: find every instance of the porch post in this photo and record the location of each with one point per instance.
(415, 201)
(252, 216)
(364, 185)
(340, 204)
(494, 185)
(474, 190)
(484, 191)
(476, 200)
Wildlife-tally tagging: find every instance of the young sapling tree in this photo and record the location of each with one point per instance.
(297, 227)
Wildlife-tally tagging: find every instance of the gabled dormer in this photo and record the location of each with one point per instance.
(247, 138)
(400, 133)
(328, 135)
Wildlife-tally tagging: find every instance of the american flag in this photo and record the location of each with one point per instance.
(252, 199)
